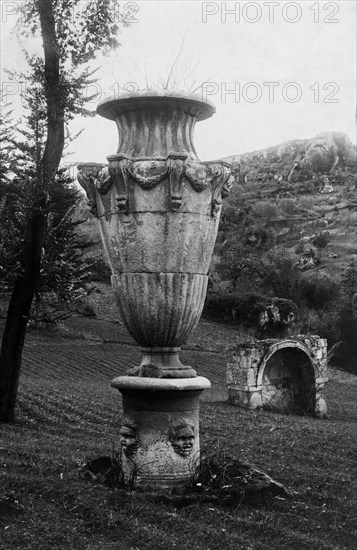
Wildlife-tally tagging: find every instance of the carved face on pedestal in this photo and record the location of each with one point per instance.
(128, 439)
(182, 438)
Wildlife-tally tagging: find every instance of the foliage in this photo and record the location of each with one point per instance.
(12, 220)
(319, 292)
(239, 266)
(265, 209)
(100, 270)
(306, 203)
(287, 206)
(56, 81)
(62, 269)
(268, 317)
(83, 29)
(320, 241)
(281, 276)
(300, 248)
(322, 163)
(346, 321)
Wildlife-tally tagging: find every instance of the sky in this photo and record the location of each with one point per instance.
(275, 70)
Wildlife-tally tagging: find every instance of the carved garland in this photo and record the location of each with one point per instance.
(123, 169)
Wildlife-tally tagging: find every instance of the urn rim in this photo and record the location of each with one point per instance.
(110, 108)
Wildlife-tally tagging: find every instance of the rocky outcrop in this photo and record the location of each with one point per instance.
(326, 153)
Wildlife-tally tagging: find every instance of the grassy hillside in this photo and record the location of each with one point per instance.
(68, 414)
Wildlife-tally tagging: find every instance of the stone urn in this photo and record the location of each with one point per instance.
(158, 208)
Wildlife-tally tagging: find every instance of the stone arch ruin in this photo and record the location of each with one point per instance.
(286, 376)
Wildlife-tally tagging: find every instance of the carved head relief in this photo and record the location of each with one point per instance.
(128, 438)
(182, 437)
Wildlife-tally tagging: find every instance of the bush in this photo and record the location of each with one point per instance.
(287, 206)
(100, 270)
(319, 293)
(264, 209)
(238, 266)
(269, 317)
(282, 276)
(320, 241)
(300, 248)
(306, 203)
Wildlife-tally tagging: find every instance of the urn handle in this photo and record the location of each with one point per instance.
(93, 177)
(222, 182)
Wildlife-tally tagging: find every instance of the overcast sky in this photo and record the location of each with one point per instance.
(290, 68)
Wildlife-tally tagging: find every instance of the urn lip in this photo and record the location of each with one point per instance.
(137, 101)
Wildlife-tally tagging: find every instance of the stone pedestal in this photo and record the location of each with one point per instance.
(159, 436)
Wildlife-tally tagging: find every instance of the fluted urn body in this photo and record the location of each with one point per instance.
(159, 209)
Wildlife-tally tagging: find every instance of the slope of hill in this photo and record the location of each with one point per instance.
(311, 187)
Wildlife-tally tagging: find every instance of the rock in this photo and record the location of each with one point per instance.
(320, 408)
(227, 481)
(101, 469)
(327, 189)
(306, 262)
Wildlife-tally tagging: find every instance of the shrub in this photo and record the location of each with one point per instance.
(282, 276)
(264, 209)
(100, 270)
(287, 206)
(306, 203)
(237, 265)
(319, 293)
(320, 241)
(269, 317)
(300, 248)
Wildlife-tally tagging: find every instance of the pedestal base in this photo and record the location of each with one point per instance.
(159, 436)
(162, 363)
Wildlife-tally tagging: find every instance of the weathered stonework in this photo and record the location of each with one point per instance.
(161, 447)
(158, 209)
(282, 375)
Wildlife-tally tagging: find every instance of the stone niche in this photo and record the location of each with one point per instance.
(286, 376)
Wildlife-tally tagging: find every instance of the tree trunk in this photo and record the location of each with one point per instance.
(26, 283)
(18, 314)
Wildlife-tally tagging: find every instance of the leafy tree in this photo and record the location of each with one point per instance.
(321, 163)
(265, 209)
(346, 325)
(239, 265)
(287, 206)
(319, 292)
(282, 277)
(61, 265)
(56, 81)
(321, 241)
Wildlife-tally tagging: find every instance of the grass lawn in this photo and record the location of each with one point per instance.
(68, 414)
